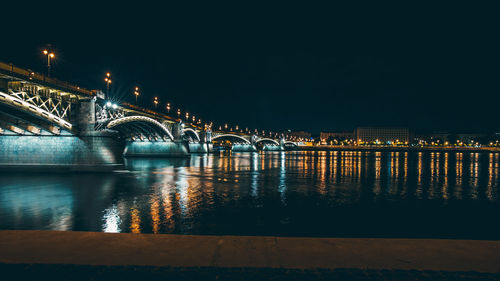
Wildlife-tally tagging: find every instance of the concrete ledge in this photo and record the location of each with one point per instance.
(189, 251)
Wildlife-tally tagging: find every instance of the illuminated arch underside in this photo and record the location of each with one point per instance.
(268, 140)
(232, 136)
(140, 125)
(193, 132)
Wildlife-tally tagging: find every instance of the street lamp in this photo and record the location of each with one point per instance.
(156, 102)
(50, 55)
(168, 107)
(136, 93)
(107, 79)
(179, 113)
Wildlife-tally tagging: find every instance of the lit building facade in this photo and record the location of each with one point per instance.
(382, 134)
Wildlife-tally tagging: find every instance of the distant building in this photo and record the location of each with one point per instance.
(300, 134)
(336, 135)
(442, 136)
(382, 134)
(468, 137)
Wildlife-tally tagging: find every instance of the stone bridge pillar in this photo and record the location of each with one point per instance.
(177, 131)
(205, 142)
(253, 139)
(85, 116)
(206, 136)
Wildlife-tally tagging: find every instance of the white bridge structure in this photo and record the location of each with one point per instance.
(64, 124)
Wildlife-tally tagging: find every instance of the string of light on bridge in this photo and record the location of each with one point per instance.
(188, 117)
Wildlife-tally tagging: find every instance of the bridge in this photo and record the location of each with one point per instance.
(50, 123)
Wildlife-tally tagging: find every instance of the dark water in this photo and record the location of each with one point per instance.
(337, 194)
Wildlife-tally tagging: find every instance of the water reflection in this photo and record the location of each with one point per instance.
(334, 193)
(282, 184)
(111, 220)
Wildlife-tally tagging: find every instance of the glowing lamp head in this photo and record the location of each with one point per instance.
(115, 106)
(109, 104)
(52, 55)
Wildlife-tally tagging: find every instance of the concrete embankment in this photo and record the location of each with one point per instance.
(60, 153)
(190, 251)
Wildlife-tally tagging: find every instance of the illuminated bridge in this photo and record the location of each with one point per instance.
(51, 123)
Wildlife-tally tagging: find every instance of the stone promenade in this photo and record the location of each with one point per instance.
(27, 253)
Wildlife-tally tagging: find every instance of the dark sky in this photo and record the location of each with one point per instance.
(281, 67)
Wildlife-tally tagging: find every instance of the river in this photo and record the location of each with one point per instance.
(294, 193)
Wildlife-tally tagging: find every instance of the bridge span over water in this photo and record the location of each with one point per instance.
(49, 123)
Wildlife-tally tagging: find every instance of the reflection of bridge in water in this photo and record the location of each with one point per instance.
(50, 123)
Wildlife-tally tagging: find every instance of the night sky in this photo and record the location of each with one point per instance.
(276, 68)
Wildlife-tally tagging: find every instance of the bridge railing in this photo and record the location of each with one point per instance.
(37, 77)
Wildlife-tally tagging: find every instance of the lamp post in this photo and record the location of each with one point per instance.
(50, 55)
(107, 79)
(156, 102)
(168, 108)
(136, 93)
(179, 113)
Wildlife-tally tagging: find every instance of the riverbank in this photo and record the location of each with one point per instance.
(397, 148)
(45, 251)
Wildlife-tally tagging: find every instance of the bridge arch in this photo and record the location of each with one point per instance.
(267, 140)
(192, 132)
(232, 136)
(290, 143)
(141, 125)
